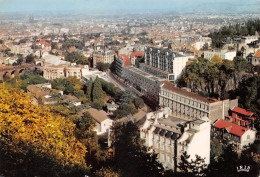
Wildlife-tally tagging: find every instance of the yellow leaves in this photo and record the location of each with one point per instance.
(37, 128)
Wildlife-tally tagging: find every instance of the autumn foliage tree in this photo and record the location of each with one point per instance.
(34, 142)
(216, 59)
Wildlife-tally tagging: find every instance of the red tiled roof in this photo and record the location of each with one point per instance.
(23, 44)
(242, 111)
(47, 44)
(126, 59)
(230, 127)
(170, 86)
(257, 54)
(42, 40)
(137, 54)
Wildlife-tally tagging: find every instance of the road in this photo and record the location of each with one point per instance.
(115, 81)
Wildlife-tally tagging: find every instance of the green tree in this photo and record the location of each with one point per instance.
(89, 86)
(86, 135)
(103, 66)
(98, 104)
(97, 92)
(29, 59)
(139, 103)
(226, 164)
(131, 157)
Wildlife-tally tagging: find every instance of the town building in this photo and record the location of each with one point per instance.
(170, 137)
(164, 63)
(62, 71)
(103, 122)
(223, 54)
(145, 83)
(190, 106)
(41, 94)
(242, 117)
(237, 135)
(256, 58)
(111, 107)
(120, 62)
(134, 56)
(103, 56)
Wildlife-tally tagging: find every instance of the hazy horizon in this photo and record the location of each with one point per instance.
(191, 6)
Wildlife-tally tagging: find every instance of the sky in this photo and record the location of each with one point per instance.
(130, 5)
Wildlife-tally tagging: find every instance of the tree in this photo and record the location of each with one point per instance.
(131, 157)
(226, 164)
(19, 61)
(86, 135)
(125, 110)
(34, 142)
(216, 59)
(29, 58)
(139, 103)
(193, 167)
(103, 66)
(98, 104)
(106, 172)
(97, 92)
(76, 57)
(240, 63)
(89, 86)
(126, 97)
(216, 148)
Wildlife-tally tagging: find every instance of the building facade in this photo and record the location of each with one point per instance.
(256, 58)
(121, 61)
(170, 137)
(61, 71)
(237, 135)
(145, 83)
(191, 106)
(164, 63)
(223, 54)
(242, 117)
(103, 56)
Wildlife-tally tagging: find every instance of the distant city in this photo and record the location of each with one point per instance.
(134, 89)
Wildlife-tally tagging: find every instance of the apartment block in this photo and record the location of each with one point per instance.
(164, 63)
(170, 137)
(144, 82)
(191, 106)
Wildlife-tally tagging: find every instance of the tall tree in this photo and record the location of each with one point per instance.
(97, 92)
(89, 89)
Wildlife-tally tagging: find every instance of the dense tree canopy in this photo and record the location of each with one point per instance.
(218, 38)
(76, 57)
(103, 66)
(34, 142)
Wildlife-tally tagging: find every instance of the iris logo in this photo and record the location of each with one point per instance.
(243, 168)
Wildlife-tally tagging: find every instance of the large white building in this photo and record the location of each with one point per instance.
(51, 72)
(103, 56)
(190, 106)
(170, 137)
(164, 63)
(223, 54)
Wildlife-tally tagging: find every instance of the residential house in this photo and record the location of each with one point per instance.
(237, 135)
